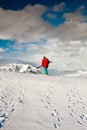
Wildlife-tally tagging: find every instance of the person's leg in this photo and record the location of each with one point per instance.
(45, 70)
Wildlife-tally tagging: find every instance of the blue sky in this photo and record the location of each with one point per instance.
(31, 29)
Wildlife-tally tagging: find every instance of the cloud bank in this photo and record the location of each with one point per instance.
(28, 25)
(34, 36)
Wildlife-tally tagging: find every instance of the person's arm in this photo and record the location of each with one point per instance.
(39, 66)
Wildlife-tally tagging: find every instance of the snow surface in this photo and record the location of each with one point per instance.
(39, 102)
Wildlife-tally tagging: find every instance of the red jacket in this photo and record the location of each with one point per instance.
(45, 62)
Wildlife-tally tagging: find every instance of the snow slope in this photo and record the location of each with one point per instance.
(40, 102)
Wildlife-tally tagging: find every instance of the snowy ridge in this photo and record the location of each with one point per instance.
(82, 72)
(78, 73)
(23, 68)
(20, 68)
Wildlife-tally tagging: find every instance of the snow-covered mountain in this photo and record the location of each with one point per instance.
(20, 68)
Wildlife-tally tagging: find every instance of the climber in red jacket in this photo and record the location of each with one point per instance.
(45, 63)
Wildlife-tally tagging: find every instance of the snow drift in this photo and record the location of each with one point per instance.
(20, 68)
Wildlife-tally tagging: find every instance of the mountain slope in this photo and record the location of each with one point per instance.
(39, 102)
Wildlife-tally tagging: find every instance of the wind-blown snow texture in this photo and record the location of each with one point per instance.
(39, 102)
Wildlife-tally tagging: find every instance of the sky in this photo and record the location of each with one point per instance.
(57, 29)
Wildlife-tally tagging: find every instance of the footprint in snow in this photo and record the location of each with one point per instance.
(42, 100)
(46, 106)
(58, 118)
(56, 125)
(47, 97)
(81, 123)
(3, 118)
(20, 100)
(55, 113)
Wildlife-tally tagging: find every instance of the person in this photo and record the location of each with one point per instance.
(45, 63)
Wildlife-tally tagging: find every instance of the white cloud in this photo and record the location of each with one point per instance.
(77, 43)
(27, 25)
(52, 16)
(74, 28)
(1, 57)
(59, 7)
(80, 9)
(76, 17)
(24, 25)
(2, 50)
(32, 47)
